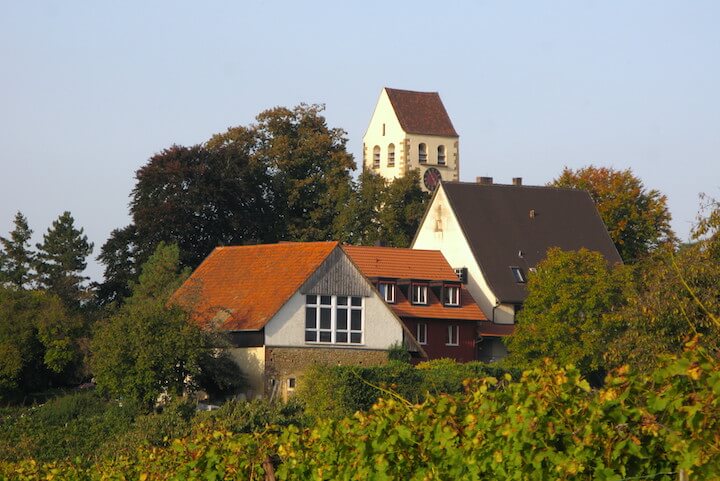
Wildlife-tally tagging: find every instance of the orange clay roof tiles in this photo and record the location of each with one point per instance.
(243, 287)
(398, 263)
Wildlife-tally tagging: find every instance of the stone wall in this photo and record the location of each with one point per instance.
(285, 363)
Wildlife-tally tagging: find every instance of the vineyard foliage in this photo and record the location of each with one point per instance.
(549, 424)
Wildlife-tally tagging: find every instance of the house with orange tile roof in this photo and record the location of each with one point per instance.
(430, 298)
(286, 306)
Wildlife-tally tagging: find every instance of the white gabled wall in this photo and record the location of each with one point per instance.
(441, 231)
(384, 114)
(287, 328)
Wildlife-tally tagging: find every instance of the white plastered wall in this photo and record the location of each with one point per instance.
(287, 328)
(252, 363)
(384, 114)
(441, 231)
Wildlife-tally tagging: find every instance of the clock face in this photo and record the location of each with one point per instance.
(432, 178)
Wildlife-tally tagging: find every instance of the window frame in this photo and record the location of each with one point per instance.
(291, 384)
(421, 333)
(422, 153)
(384, 294)
(441, 155)
(453, 329)
(349, 307)
(423, 288)
(391, 155)
(377, 153)
(518, 275)
(447, 296)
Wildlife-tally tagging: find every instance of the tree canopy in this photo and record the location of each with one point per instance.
(637, 219)
(569, 313)
(16, 256)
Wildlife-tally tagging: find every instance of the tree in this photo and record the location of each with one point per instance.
(637, 219)
(16, 257)
(148, 347)
(61, 261)
(38, 342)
(678, 296)
(568, 314)
(120, 257)
(403, 208)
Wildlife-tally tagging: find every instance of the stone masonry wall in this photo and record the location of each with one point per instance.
(284, 363)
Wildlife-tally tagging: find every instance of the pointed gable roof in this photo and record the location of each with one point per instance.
(421, 112)
(243, 287)
(498, 225)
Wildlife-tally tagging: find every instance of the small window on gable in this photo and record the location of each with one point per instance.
(391, 155)
(441, 155)
(383, 130)
(518, 274)
(376, 157)
(421, 333)
(419, 294)
(452, 295)
(422, 153)
(387, 291)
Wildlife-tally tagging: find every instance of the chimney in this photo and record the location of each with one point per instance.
(517, 180)
(484, 180)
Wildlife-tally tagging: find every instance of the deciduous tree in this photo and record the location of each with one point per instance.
(637, 219)
(569, 311)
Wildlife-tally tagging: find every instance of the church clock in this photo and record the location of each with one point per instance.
(432, 178)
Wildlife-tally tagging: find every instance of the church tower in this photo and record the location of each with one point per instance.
(412, 130)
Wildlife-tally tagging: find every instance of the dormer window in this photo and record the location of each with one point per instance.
(452, 295)
(419, 294)
(441, 155)
(376, 157)
(519, 275)
(387, 291)
(422, 153)
(391, 155)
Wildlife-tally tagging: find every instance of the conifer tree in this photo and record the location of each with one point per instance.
(16, 258)
(61, 259)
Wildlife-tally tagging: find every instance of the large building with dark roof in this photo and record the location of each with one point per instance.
(499, 233)
(412, 130)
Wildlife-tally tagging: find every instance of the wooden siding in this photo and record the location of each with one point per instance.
(337, 276)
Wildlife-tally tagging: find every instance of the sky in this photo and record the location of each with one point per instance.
(90, 90)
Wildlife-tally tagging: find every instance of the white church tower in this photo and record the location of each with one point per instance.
(412, 130)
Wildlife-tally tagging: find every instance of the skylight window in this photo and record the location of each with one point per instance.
(519, 275)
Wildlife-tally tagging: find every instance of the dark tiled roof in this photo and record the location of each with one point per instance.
(421, 112)
(243, 287)
(498, 225)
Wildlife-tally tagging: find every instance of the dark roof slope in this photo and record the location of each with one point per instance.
(498, 225)
(421, 112)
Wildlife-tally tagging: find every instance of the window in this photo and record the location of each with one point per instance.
(334, 319)
(376, 157)
(422, 153)
(452, 295)
(441, 155)
(391, 155)
(421, 333)
(387, 291)
(453, 338)
(419, 294)
(518, 274)
(291, 383)
(383, 130)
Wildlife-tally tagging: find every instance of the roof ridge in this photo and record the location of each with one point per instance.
(548, 187)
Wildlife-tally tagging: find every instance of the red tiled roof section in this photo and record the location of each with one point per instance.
(468, 309)
(421, 112)
(243, 287)
(398, 263)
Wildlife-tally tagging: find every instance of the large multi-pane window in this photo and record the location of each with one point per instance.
(334, 319)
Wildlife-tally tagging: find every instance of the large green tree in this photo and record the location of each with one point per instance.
(38, 342)
(148, 347)
(678, 296)
(61, 260)
(569, 314)
(16, 256)
(637, 219)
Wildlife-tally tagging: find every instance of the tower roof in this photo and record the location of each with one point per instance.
(421, 112)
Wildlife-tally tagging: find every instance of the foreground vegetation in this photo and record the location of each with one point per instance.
(547, 425)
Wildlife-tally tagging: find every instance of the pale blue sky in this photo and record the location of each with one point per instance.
(89, 90)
